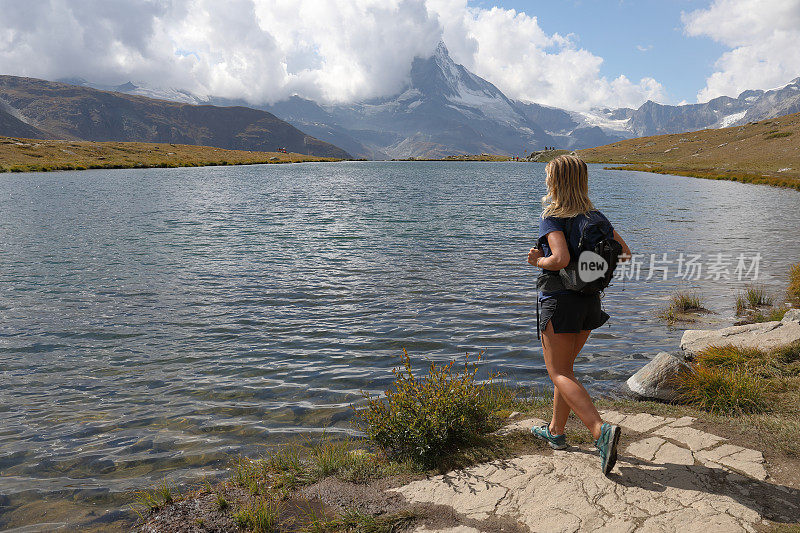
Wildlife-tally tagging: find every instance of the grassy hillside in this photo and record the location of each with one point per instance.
(11, 125)
(766, 152)
(29, 155)
(82, 113)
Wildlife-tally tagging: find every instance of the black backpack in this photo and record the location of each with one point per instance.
(596, 235)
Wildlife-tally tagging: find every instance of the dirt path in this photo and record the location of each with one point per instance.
(672, 477)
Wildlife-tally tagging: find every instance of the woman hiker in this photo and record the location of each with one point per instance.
(569, 316)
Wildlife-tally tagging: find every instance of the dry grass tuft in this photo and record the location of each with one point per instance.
(794, 284)
(682, 305)
(720, 390)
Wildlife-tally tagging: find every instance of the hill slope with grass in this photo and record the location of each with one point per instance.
(30, 155)
(62, 111)
(11, 125)
(766, 152)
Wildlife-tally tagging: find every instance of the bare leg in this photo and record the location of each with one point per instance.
(559, 355)
(560, 413)
(561, 408)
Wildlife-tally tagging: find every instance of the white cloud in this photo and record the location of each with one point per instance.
(332, 50)
(644, 48)
(511, 50)
(763, 36)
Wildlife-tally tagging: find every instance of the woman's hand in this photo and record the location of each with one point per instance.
(534, 255)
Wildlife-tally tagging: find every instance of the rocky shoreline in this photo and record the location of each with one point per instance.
(678, 469)
(656, 380)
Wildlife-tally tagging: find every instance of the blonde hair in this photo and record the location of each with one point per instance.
(567, 188)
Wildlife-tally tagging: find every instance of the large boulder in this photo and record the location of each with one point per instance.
(656, 379)
(763, 335)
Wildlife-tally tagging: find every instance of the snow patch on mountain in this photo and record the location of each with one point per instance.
(728, 120)
(600, 118)
(171, 94)
(468, 90)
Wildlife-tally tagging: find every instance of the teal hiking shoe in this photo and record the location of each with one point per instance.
(607, 445)
(557, 442)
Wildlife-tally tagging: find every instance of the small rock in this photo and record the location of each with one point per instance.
(273, 158)
(792, 315)
(656, 379)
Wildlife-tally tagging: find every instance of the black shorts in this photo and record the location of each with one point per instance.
(571, 312)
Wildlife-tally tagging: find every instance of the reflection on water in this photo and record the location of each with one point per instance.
(156, 321)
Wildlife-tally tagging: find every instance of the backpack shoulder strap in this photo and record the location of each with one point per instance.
(568, 235)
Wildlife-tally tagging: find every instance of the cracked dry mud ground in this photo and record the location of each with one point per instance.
(673, 477)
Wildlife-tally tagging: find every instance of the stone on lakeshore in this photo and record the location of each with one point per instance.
(792, 315)
(656, 378)
(693, 438)
(763, 336)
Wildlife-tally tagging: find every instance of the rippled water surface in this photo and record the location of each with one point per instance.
(153, 322)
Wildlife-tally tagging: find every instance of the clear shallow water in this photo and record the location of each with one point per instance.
(156, 321)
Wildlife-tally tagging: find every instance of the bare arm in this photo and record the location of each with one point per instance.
(626, 252)
(560, 257)
(560, 253)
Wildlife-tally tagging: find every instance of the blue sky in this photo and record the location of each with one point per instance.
(614, 29)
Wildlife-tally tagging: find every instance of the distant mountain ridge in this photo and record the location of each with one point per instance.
(43, 109)
(445, 109)
(750, 106)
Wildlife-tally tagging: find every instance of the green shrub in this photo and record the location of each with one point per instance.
(164, 493)
(424, 418)
(774, 314)
(259, 515)
(722, 390)
(248, 474)
(291, 466)
(222, 503)
(287, 466)
(778, 135)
